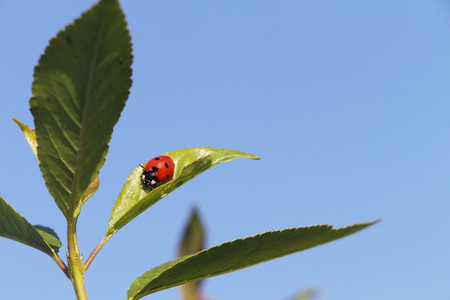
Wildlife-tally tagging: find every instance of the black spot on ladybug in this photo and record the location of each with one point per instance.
(168, 176)
(157, 158)
(166, 165)
(155, 169)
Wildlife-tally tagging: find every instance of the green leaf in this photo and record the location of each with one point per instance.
(14, 226)
(193, 238)
(192, 242)
(31, 138)
(92, 188)
(235, 255)
(29, 134)
(80, 88)
(49, 236)
(134, 198)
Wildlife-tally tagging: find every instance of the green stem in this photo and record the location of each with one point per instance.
(75, 262)
(95, 251)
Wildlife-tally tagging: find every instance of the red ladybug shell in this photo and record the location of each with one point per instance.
(158, 170)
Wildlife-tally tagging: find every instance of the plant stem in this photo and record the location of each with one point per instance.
(61, 264)
(75, 262)
(95, 251)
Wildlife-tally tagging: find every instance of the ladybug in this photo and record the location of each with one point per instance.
(158, 170)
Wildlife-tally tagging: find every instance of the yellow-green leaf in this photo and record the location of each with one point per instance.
(29, 134)
(190, 162)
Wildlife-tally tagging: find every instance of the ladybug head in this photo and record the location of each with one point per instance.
(149, 179)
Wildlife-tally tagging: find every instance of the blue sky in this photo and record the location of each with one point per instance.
(346, 103)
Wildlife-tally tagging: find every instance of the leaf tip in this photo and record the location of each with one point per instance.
(375, 221)
(21, 125)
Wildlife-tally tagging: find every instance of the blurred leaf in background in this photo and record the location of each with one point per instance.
(192, 241)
